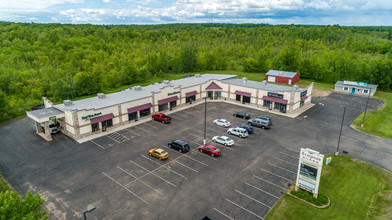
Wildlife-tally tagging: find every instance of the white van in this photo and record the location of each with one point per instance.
(52, 127)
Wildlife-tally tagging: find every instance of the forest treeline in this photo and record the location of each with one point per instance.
(39, 60)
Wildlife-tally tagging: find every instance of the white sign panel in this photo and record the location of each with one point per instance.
(355, 83)
(309, 170)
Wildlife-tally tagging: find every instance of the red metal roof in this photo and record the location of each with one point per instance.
(242, 93)
(272, 99)
(163, 101)
(101, 118)
(188, 94)
(140, 107)
(213, 86)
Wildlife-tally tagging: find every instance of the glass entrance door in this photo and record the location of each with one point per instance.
(210, 94)
(283, 108)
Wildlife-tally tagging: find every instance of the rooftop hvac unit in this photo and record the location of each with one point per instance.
(197, 75)
(166, 81)
(137, 88)
(295, 87)
(67, 102)
(264, 83)
(244, 80)
(101, 95)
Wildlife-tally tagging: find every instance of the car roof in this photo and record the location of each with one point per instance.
(224, 137)
(180, 141)
(211, 146)
(160, 150)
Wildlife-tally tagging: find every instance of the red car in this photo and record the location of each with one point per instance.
(210, 149)
(161, 117)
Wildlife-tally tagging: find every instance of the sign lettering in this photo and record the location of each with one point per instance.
(52, 118)
(275, 95)
(92, 115)
(169, 94)
(309, 170)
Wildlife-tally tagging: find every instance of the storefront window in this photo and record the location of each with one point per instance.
(267, 103)
(173, 104)
(365, 91)
(190, 99)
(218, 94)
(345, 88)
(277, 105)
(210, 94)
(163, 107)
(145, 112)
(301, 103)
(95, 127)
(238, 97)
(132, 116)
(107, 123)
(246, 99)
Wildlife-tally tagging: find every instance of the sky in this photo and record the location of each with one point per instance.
(317, 12)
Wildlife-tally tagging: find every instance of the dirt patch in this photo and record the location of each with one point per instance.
(320, 93)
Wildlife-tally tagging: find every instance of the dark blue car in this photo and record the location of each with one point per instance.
(248, 128)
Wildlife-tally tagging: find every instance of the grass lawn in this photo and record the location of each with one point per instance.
(378, 122)
(357, 189)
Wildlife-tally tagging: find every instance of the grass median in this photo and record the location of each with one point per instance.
(357, 190)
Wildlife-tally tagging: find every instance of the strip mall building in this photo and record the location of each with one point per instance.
(82, 118)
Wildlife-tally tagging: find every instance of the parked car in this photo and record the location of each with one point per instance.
(242, 115)
(210, 149)
(259, 123)
(52, 128)
(265, 118)
(159, 153)
(240, 132)
(161, 117)
(223, 140)
(222, 122)
(179, 145)
(248, 128)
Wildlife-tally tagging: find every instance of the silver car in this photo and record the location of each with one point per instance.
(222, 122)
(240, 132)
(223, 140)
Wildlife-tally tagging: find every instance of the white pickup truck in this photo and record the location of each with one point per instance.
(52, 127)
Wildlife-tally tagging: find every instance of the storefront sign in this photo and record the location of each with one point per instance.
(52, 118)
(92, 115)
(275, 95)
(355, 83)
(304, 93)
(309, 170)
(169, 94)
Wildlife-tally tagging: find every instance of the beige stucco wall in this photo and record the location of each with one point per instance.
(70, 129)
(126, 106)
(252, 91)
(190, 89)
(163, 94)
(68, 117)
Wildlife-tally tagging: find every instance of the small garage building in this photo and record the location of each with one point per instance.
(277, 76)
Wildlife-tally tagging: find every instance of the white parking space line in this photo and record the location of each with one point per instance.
(139, 180)
(195, 135)
(292, 149)
(282, 168)
(286, 161)
(268, 182)
(276, 175)
(97, 144)
(253, 199)
(223, 214)
(165, 167)
(133, 132)
(193, 141)
(243, 208)
(289, 155)
(125, 188)
(187, 113)
(196, 160)
(151, 126)
(186, 166)
(142, 129)
(261, 190)
(150, 172)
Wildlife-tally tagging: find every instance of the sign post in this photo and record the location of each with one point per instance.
(309, 170)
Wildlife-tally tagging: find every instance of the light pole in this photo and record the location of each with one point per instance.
(364, 114)
(205, 120)
(89, 209)
(340, 133)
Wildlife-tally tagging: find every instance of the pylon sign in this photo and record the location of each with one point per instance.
(309, 170)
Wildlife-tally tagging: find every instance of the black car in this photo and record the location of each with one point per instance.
(179, 145)
(242, 115)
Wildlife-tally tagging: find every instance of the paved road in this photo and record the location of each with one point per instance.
(116, 175)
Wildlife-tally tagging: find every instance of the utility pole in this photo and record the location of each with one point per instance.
(364, 114)
(340, 133)
(205, 120)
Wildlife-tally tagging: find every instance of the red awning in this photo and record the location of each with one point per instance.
(138, 108)
(163, 101)
(188, 94)
(272, 99)
(304, 97)
(242, 93)
(101, 118)
(213, 86)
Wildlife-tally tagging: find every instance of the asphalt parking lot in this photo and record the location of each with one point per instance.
(116, 174)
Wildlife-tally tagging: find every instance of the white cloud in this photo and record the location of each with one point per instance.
(34, 4)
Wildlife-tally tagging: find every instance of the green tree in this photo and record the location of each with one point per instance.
(188, 58)
(250, 65)
(14, 208)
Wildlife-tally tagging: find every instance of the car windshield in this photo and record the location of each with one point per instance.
(164, 116)
(163, 152)
(216, 149)
(228, 139)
